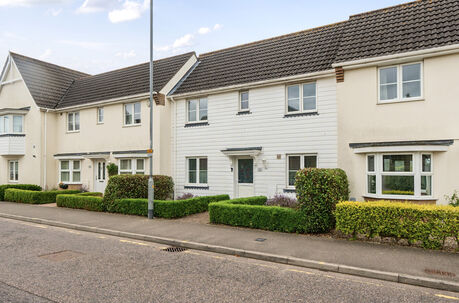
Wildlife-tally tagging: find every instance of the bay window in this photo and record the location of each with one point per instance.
(70, 171)
(400, 82)
(197, 110)
(132, 167)
(132, 114)
(197, 170)
(297, 162)
(402, 174)
(11, 124)
(302, 98)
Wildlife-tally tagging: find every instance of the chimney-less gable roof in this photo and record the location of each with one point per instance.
(123, 82)
(293, 54)
(46, 82)
(402, 28)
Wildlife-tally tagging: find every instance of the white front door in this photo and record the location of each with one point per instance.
(100, 176)
(244, 177)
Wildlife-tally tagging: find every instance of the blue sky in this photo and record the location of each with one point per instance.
(99, 35)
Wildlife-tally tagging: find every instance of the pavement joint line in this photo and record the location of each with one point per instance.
(324, 266)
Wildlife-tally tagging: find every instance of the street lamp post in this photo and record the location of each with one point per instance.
(151, 183)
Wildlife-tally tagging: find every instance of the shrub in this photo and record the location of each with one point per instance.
(79, 201)
(318, 190)
(35, 197)
(17, 186)
(165, 209)
(93, 194)
(112, 169)
(429, 224)
(185, 196)
(453, 199)
(251, 212)
(63, 185)
(136, 186)
(282, 201)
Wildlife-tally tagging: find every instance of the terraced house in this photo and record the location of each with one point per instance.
(375, 95)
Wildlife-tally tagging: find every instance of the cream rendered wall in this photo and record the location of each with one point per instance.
(16, 95)
(361, 119)
(265, 127)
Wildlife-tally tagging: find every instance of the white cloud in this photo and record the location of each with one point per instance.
(126, 55)
(204, 30)
(46, 54)
(217, 27)
(85, 44)
(183, 41)
(130, 10)
(30, 2)
(54, 12)
(93, 6)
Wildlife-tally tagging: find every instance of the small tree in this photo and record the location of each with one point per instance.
(318, 191)
(112, 169)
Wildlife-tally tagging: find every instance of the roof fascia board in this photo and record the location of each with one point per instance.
(314, 75)
(131, 98)
(171, 84)
(399, 58)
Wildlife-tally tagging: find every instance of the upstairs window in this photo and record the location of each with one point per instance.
(11, 124)
(100, 115)
(197, 110)
(302, 98)
(132, 114)
(244, 101)
(73, 122)
(400, 82)
(297, 162)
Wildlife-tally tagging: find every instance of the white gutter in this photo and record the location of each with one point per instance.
(314, 75)
(398, 58)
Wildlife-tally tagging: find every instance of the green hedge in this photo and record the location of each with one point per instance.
(92, 194)
(251, 212)
(79, 201)
(17, 186)
(136, 187)
(318, 191)
(35, 197)
(165, 209)
(429, 224)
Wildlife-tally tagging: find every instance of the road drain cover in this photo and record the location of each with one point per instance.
(62, 255)
(174, 249)
(260, 239)
(440, 272)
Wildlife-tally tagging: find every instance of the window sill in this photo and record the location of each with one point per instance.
(11, 181)
(289, 190)
(72, 183)
(73, 131)
(244, 112)
(100, 123)
(398, 197)
(132, 125)
(196, 124)
(12, 135)
(400, 101)
(203, 187)
(301, 114)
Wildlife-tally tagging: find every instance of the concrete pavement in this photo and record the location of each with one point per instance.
(47, 264)
(407, 261)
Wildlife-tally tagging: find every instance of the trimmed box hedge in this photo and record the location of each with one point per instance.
(428, 224)
(251, 212)
(35, 197)
(17, 186)
(165, 209)
(93, 194)
(79, 201)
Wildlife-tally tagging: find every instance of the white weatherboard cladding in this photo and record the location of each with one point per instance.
(265, 127)
(14, 145)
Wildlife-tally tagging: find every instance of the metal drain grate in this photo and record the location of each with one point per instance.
(260, 239)
(174, 249)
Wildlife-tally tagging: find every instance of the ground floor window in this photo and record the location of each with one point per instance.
(197, 170)
(400, 174)
(70, 171)
(297, 162)
(13, 170)
(132, 167)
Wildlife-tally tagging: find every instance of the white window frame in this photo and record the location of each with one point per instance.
(417, 173)
(198, 109)
(198, 170)
(133, 123)
(70, 170)
(15, 171)
(301, 164)
(240, 101)
(300, 99)
(11, 124)
(399, 83)
(134, 169)
(100, 117)
(74, 114)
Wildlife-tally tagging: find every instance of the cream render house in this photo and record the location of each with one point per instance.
(60, 125)
(375, 95)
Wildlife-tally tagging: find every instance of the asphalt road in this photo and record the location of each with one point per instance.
(41, 263)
